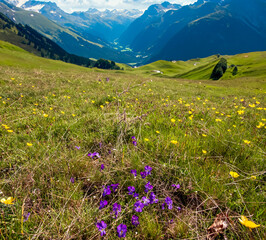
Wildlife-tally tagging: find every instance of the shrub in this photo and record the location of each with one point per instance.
(219, 69)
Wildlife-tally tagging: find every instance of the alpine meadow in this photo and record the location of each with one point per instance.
(155, 149)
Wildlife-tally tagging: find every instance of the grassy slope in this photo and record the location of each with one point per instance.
(56, 106)
(249, 65)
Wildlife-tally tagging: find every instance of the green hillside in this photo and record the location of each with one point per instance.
(249, 65)
(71, 138)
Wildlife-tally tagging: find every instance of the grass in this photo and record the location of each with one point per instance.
(249, 65)
(57, 107)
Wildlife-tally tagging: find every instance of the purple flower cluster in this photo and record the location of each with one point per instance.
(138, 205)
(142, 174)
(134, 140)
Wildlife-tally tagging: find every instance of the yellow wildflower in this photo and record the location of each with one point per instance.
(9, 200)
(158, 132)
(244, 221)
(10, 131)
(218, 120)
(174, 141)
(204, 151)
(253, 177)
(146, 139)
(29, 144)
(173, 120)
(204, 135)
(45, 115)
(246, 142)
(101, 106)
(234, 174)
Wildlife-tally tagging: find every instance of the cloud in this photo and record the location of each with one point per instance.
(83, 5)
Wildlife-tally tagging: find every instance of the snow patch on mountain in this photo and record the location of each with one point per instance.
(35, 8)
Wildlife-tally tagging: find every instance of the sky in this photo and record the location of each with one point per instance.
(83, 5)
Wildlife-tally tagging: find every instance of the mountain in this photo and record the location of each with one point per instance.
(67, 38)
(107, 25)
(141, 26)
(201, 29)
(32, 41)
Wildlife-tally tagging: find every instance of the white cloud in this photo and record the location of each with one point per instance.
(83, 5)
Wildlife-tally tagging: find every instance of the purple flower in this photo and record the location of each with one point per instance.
(106, 191)
(131, 190)
(153, 198)
(148, 169)
(116, 209)
(179, 208)
(146, 201)
(115, 186)
(102, 166)
(163, 206)
(134, 172)
(169, 202)
(133, 138)
(107, 79)
(95, 154)
(177, 186)
(136, 195)
(103, 204)
(121, 230)
(135, 220)
(134, 143)
(72, 180)
(77, 147)
(148, 187)
(138, 206)
(143, 174)
(101, 226)
(26, 217)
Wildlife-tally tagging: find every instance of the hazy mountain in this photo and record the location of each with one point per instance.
(204, 28)
(68, 39)
(108, 24)
(95, 24)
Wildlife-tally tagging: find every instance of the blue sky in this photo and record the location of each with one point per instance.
(83, 5)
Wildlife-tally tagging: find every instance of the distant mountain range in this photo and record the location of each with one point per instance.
(71, 40)
(107, 25)
(163, 32)
(204, 28)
